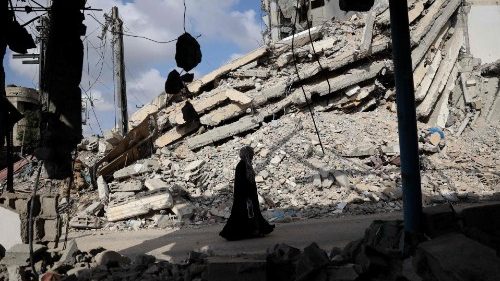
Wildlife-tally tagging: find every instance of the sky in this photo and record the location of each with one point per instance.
(484, 22)
(227, 29)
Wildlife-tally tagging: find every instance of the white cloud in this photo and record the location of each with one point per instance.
(146, 87)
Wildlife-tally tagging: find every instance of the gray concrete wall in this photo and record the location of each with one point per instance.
(10, 228)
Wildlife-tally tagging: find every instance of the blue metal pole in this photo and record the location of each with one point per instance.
(407, 120)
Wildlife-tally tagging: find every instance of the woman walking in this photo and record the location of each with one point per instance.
(245, 221)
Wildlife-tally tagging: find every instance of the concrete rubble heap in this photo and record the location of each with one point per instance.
(168, 171)
(379, 255)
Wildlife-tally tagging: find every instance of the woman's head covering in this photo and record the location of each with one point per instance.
(246, 155)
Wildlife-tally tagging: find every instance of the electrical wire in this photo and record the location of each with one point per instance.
(68, 193)
(184, 16)
(93, 109)
(30, 224)
(133, 35)
(317, 58)
(298, 78)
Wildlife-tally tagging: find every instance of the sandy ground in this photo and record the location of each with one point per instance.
(174, 245)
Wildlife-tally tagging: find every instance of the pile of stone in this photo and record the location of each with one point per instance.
(257, 100)
(144, 194)
(355, 54)
(386, 252)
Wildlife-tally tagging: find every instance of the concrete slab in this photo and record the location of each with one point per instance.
(11, 228)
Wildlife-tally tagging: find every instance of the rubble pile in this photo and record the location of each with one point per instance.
(173, 168)
(385, 252)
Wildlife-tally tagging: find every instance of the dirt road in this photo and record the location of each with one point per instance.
(174, 245)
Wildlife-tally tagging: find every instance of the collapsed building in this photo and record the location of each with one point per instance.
(169, 169)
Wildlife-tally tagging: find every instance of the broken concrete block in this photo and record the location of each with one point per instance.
(82, 221)
(103, 189)
(164, 221)
(276, 160)
(193, 166)
(454, 257)
(362, 151)
(317, 180)
(348, 272)
(155, 183)
(391, 149)
(118, 195)
(94, 208)
(471, 82)
(485, 218)
(196, 85)
(176, 134)
(48, 206)
(16, 273)
(111, 259)
(67, 255)
(312, 259)
(139, 204)
(127, 186)
(438, 220)
(341, 178)
(104, 147)
(281, 262)
(352, 91)
(235, 269)
(19, 254)
(259, 73)
(327, 183)
(113, 138)
(183, 210)
(223, 132)
(224, 113)
(238, 97)
(146, 166)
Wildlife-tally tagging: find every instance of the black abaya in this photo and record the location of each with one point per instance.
(241, 224)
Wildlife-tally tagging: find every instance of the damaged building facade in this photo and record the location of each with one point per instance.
(27, 101)
(352, 92)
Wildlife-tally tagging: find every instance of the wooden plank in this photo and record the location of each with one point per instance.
(452, 51)
(142, 132)
(429, 77)
(195, 86)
